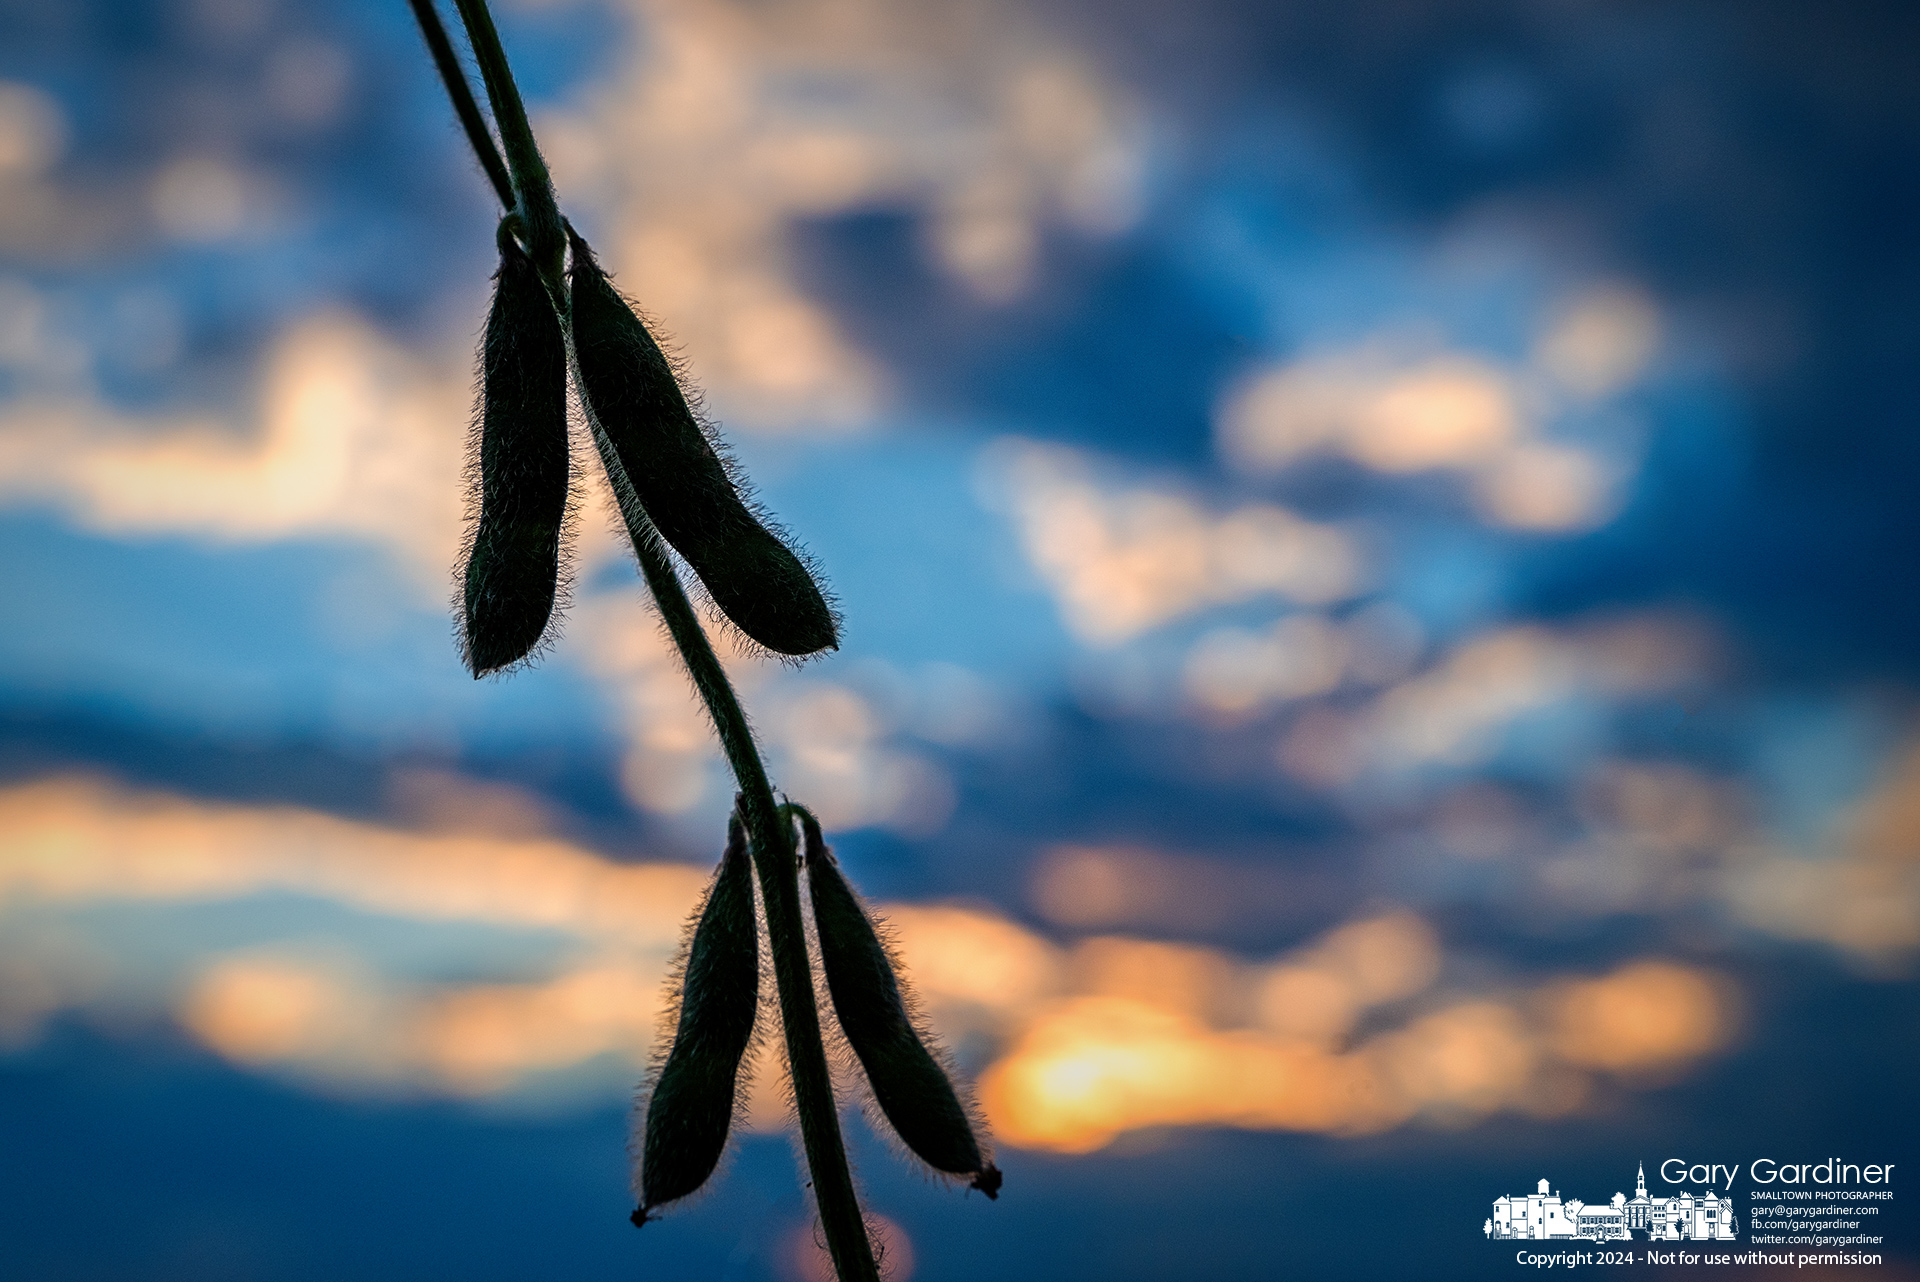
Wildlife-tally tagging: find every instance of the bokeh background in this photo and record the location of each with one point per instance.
(1380, 660)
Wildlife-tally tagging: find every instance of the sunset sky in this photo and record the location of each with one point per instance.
(1379, 660)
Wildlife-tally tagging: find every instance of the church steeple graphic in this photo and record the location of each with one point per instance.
(1640, 1189)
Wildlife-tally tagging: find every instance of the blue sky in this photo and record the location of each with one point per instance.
(1376, 661)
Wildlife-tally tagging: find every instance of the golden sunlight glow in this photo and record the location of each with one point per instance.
(76, 839)
(1149, 1036)
(483, 1038)
(1111, 1034)
(1648, 1015)
(1476, 1058)
(973, 957)
(1317, 993)
(1381, 959)
(257, 1010)
(1184, 978)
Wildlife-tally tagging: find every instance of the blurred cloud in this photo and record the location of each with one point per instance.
(1642, 1017)
(33, 131)
(1393, 408)
(321, 1008)
(1858, 889)
(1601, 342)
(1319, 991)
(1122, 561)
(1111, 1034)
(1081, 887)
(1148, 1043)
(78, 839)
(307, 80)
(1457, 310)
(345, 1031)
(825, 741)
(202, 199)
(1233, 670)
(355, 437)
(806, 1259)
(34, 348)
(1448, 411)
(1455, 713)
(974, 957)
(725, 123)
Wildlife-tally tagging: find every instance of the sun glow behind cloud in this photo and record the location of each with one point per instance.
(1471, 749)
(1090, 1038)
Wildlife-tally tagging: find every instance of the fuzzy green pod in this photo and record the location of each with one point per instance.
(690, 1108)
(909, 1085)
(520, 460)
(670, 468)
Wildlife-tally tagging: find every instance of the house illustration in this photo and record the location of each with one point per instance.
(1697, 1217)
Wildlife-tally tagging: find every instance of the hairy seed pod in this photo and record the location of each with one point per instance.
(513, 563)
(637, 408)
(691, 1106)
(909, 1085)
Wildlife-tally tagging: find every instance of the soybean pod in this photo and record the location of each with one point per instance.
(909, 1085)
(651, 441)
(690, 1108)
(520, 464)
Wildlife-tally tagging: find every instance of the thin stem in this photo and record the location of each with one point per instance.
(546, 241)
(773, 856)
(454, 77)
(772, 836)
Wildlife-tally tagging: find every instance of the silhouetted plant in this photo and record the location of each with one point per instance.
(519, 468)
(690, 1107)
(910, 1087)
(674, 487)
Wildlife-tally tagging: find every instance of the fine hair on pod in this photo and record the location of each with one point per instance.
(699, 1085)
(911, 1088)
(519, 472)
(651, 439)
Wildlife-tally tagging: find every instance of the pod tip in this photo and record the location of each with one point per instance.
(639, 1217)
(988, 1182)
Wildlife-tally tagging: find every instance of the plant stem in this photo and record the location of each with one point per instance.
(773, 857)
(772, 835)
(539, 213)
(455, 79)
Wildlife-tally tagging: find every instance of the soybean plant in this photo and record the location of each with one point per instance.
(556, 313)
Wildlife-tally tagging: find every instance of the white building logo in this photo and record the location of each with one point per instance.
(1697, 1217)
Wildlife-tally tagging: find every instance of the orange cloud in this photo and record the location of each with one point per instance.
(1110, 1035)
